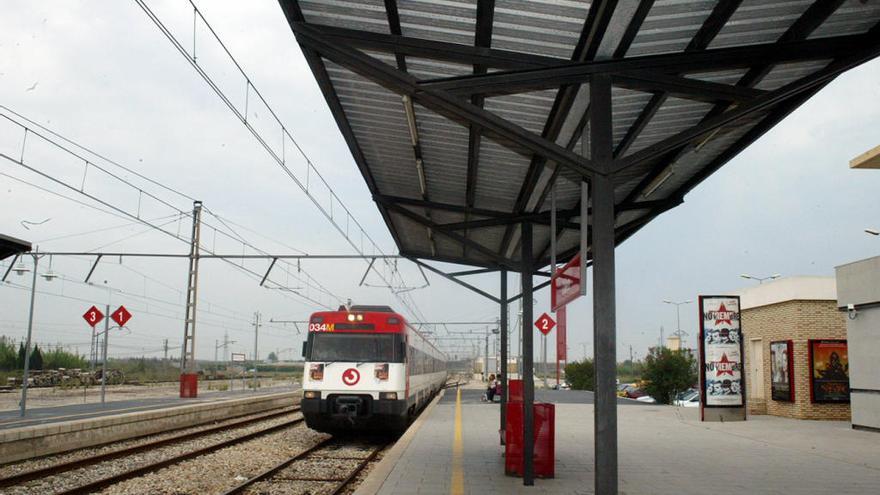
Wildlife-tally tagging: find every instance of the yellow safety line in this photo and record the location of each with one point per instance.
(457, 487)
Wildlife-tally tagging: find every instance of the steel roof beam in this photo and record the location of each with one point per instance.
(437, 50)
(802, 27)
(512, 136)
(762, 103)
(738, 57)
(457, 281)
(685, 87)
(452, 235)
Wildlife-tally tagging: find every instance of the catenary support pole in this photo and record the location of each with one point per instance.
(27, 346)
(504, 341)
(528, 358)
(256, 349)
(104, 354)
(604, 312)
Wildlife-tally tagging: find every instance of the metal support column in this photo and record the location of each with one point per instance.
(528, 371)
(604, 338)
(104, 354)
(503, 372)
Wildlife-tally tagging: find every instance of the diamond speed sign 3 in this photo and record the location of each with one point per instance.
(545, 323)
(93, 316)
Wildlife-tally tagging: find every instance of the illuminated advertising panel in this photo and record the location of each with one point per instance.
(829, 371)
(781, 371)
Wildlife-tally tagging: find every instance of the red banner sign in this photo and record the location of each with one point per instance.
(561, 354)
(565, 284)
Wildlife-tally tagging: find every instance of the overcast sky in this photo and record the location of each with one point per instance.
(103, 75)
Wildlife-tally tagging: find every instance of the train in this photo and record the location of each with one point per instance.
(366, 368)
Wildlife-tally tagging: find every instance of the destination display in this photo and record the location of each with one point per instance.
(721, 351)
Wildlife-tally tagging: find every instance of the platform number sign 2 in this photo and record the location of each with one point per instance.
(93, 316)
(545, 323)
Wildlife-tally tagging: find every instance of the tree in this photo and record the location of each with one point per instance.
(667, 372)
(581, 375)
(273, 358)
(36, 360)
(21, 353)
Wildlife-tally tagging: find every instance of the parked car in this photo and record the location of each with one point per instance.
(647, 398)
(690, 399)
(633, 392)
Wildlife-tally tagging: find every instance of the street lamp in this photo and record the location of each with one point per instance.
(872, 231)
(678, 332)
(760, 279)
(20, 270)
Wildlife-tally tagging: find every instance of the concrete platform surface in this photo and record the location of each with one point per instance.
(71, 412)
(662, 450)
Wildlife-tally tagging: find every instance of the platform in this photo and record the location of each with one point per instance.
(663, 449)
(45, 415)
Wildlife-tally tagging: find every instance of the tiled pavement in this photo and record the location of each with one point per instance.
(662, 450)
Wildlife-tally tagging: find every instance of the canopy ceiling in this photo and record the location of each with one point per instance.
(463, 114)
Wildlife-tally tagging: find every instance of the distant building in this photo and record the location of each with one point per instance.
(782, 321)
(858, 297)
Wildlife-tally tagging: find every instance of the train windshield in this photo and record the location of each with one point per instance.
(357, 347)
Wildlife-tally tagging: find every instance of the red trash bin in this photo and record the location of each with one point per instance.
(544, 435)
(515, 390)
(189, 385)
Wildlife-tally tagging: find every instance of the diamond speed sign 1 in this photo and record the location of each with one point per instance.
(93, 316)
(545, 323)
(121, 316)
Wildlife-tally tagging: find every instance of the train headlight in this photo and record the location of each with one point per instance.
(381, 371)
(388, 395)
(311, 394)
(316, 371)
(350, 317)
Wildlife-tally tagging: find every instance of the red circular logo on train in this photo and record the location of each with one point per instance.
(351, 376)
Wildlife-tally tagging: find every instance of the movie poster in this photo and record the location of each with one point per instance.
(781, 373)
(829, 371)
(721, 351)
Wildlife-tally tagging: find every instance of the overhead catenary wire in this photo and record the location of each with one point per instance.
(280, 159)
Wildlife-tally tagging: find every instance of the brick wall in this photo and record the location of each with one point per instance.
(798, 321)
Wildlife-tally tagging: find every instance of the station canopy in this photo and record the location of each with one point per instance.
(10, 246)
(462, 115)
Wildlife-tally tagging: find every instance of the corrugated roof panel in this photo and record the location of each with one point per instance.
(441, 20)
(783, 74)
(379, 123)
(628, 105)
(853, 17)
(444, 146)
(499, 176)
(720, 76)
(759, 21)
(670, 26)
(529, 110)
(540, 27)
(364, 15)
(580, 105)
(423, 68)
(674, 116)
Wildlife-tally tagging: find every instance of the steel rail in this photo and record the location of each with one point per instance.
(342, 483)
(95, 486)
(55, 469)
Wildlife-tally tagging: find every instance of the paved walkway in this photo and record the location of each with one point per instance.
(44, 415)
(662, 450)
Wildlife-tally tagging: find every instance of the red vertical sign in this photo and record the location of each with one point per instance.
(561, 354)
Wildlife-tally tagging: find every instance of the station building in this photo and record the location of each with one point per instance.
(858, 297)
(780, 320)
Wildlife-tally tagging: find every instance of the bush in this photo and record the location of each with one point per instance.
(581, 375)
(668, 372)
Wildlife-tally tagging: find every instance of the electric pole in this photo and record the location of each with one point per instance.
(188, 350)
(256, 340)
(166, 351)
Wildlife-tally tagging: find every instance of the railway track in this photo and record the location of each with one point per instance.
(331, 464)
(92, 486)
